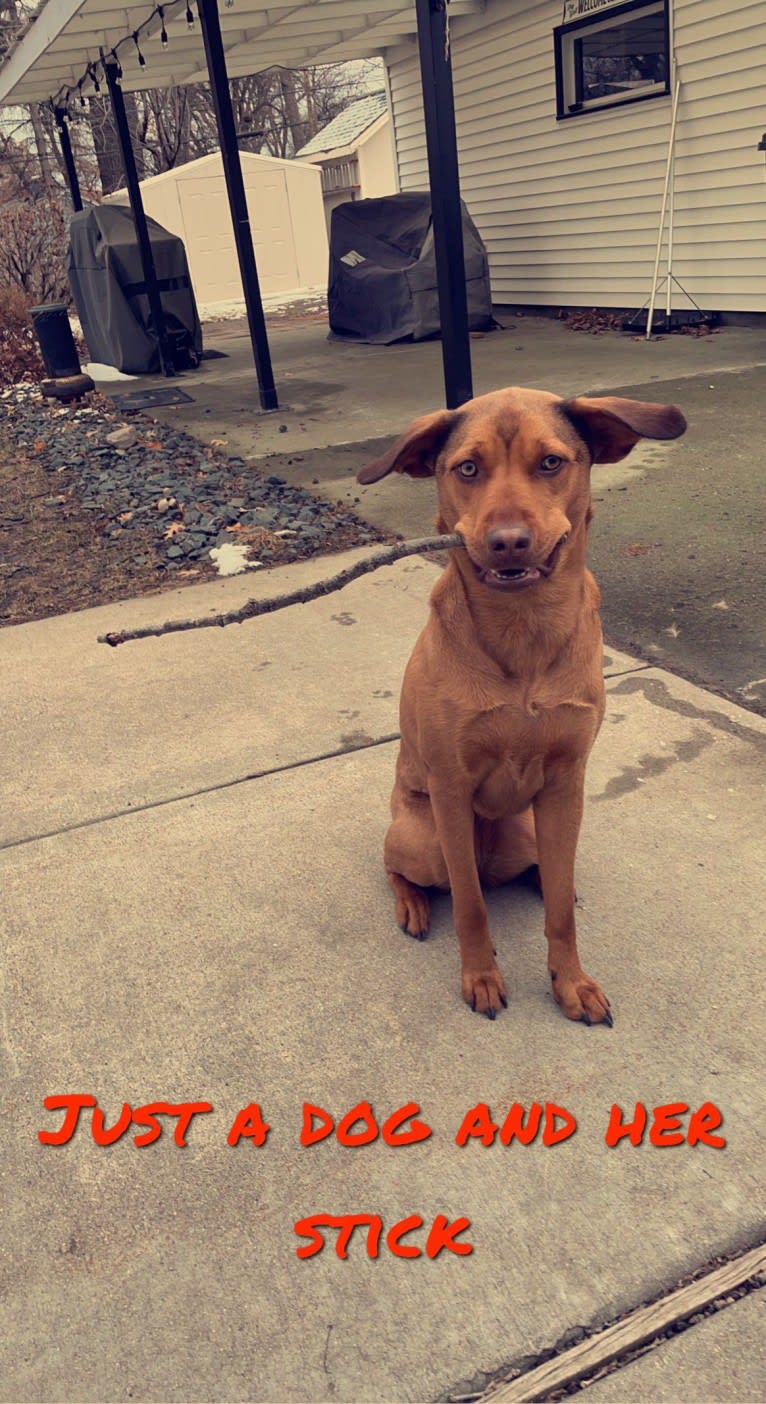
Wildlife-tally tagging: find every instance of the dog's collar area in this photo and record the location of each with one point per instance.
(519, 577)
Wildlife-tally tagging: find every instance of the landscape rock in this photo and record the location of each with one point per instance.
(123, 438)
(108, 468)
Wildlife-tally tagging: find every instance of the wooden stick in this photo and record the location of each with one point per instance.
(386, 556)
(638, 1328)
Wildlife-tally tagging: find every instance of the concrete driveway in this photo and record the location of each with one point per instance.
(195, 911)
(674, 542)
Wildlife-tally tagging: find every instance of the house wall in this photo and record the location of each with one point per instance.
(570, 210)
(377, 172)
(286, 212)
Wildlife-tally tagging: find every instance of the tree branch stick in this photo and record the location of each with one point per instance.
(252, 608)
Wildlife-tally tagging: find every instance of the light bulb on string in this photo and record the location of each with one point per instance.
(79, 89)
(189, 16)
(141, 59)
(119, 65)
(163, 31)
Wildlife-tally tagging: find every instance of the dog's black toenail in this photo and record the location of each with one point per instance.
(609, 1019)
(504, 1001)
(586, 1019)
(491, 1013)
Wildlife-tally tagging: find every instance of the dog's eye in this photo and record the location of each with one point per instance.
(467, 469)
(551, 463)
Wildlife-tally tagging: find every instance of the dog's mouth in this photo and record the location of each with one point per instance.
(519, 577)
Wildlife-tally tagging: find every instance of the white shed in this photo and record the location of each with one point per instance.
(286, 210)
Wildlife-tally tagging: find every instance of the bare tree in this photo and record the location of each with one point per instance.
(32, 247)
(13, 17)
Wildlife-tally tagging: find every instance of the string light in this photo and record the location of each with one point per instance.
(159, 12)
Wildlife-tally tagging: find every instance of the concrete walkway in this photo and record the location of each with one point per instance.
(195, 910)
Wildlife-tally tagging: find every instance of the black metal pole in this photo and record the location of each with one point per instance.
(66, 152)
(210, 25)
(139, 219)
(443, 175)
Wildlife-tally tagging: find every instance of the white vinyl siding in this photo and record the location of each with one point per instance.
(569, 210)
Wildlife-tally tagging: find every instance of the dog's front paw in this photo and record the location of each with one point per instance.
(581, 998)
(485, 991)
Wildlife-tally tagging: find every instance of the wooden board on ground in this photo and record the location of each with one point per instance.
(635, 1330)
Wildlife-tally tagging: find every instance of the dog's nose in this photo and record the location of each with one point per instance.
(506, 544)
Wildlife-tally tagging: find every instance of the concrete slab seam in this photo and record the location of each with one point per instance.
(194, 794)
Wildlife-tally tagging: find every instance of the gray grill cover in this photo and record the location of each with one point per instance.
(106, 278)
(383, 270)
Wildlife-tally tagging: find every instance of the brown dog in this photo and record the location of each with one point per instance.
(503, 695)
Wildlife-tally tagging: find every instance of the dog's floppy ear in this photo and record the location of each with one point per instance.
(611, 427)
(414, 451)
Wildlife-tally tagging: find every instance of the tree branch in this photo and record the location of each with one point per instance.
(386, 556)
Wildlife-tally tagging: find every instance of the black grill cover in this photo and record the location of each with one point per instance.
(382, 284)
(106, 278)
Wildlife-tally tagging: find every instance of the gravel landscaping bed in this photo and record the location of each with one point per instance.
(156, 499)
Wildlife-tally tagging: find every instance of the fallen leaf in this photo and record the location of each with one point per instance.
(720, 604)
(636, 549)
(188, 572)
(173, 530)
(125, 517)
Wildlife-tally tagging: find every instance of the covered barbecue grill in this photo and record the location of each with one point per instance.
(107, 282)
(383, 285)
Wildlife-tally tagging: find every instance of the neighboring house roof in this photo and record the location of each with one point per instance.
(348, 126)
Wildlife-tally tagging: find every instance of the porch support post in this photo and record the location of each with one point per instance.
(139, 219)
(210, 25)
(66, 152)
(441, 141)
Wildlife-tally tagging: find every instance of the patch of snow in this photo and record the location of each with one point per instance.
(275, 302)
(231, 558)
(97, 371)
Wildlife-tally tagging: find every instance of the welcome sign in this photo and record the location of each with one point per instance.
(577, 9)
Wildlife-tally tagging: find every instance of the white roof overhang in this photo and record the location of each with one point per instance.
(51, 58)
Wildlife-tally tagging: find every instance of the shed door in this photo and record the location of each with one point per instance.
(210, 238)
(269, 209)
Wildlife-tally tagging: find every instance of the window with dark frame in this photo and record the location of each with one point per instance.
(613, 55)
